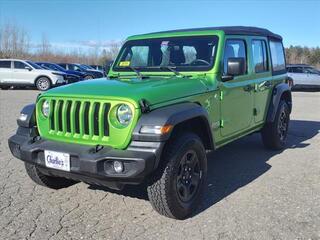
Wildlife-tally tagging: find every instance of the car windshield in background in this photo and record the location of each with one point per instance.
(87, 67)
(183, 53)
(55, 67)
(35, 66)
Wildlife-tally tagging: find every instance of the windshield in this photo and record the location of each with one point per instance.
(87, 67)
(312, 70)
(185, 53)
(35, 66)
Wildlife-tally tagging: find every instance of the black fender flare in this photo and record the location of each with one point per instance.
(277, 94)
(30, 112)
(171, 115)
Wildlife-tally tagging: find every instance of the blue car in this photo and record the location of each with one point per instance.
(70, 76)
(91, 73)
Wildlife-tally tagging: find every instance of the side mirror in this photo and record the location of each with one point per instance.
(235, 67)
(28, 68)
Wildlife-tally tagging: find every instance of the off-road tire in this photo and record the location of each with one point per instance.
(163, 190)
(48, 181)
(274, 134)
(43, 83)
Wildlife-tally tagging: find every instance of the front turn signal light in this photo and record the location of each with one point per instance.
(159, 130)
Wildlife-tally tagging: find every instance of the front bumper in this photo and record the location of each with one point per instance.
(87, 163)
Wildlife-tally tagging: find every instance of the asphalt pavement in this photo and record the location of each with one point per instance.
(252, 193)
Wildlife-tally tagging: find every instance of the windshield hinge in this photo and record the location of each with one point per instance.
(144, 105)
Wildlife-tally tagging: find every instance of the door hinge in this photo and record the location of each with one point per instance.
(255, 112)
(221, 123)
(221, 95)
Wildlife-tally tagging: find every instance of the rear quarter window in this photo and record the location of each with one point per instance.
(5, 64)
(277, 57)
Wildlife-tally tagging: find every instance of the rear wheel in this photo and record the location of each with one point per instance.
(178, 184)
(274, 134)
(44, 180)
(43, 83)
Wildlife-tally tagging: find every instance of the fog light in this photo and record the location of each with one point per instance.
(118, 166)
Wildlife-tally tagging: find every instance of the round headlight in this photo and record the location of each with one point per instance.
(45, 108)
(124, 114)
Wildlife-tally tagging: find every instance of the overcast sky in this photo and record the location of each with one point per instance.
(87, 23)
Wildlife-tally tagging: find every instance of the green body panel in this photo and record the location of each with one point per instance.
(233, 111)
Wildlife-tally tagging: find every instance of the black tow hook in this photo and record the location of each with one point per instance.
(98, 148)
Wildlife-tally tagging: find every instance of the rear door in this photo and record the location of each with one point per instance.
(236, 94)
(262, 76)
(5, 72)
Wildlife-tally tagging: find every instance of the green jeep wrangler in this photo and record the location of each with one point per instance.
(169, 98)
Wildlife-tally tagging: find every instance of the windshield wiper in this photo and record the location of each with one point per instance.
(172, 69)
(137, 72)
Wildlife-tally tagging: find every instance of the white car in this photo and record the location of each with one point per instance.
(304, 76)
(15, 72)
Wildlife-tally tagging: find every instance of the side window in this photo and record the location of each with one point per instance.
(19, 65)
(259, 54)
(72, 67)
(277, 56)
(5, 64)
(234, 48)
(63, 65)
(297, 70)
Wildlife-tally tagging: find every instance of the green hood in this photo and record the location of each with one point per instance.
(154, 89)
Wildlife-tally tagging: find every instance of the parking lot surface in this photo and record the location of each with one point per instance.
(252, 193)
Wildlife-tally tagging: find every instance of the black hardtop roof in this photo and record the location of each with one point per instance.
(234, 30)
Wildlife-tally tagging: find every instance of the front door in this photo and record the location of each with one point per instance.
(236, 94)
(22, 73)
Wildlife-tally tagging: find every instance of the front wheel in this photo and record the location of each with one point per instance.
(43, 83)
(274, 134)
(178, 184)
(44, 180)
(88, 77)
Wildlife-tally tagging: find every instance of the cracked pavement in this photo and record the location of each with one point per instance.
(252, 193)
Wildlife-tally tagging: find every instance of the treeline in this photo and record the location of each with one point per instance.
(15, 43)
(305, 55)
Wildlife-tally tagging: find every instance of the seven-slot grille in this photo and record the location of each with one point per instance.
(79, 118)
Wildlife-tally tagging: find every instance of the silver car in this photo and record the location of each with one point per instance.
(304, 76)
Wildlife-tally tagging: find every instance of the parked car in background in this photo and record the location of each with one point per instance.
(98, 67)
(70, 76)
(88, 67)
(90, 74)
(16, 72)
(304, 76)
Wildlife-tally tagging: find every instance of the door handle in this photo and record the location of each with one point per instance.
(266, 84)
(248, 88)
